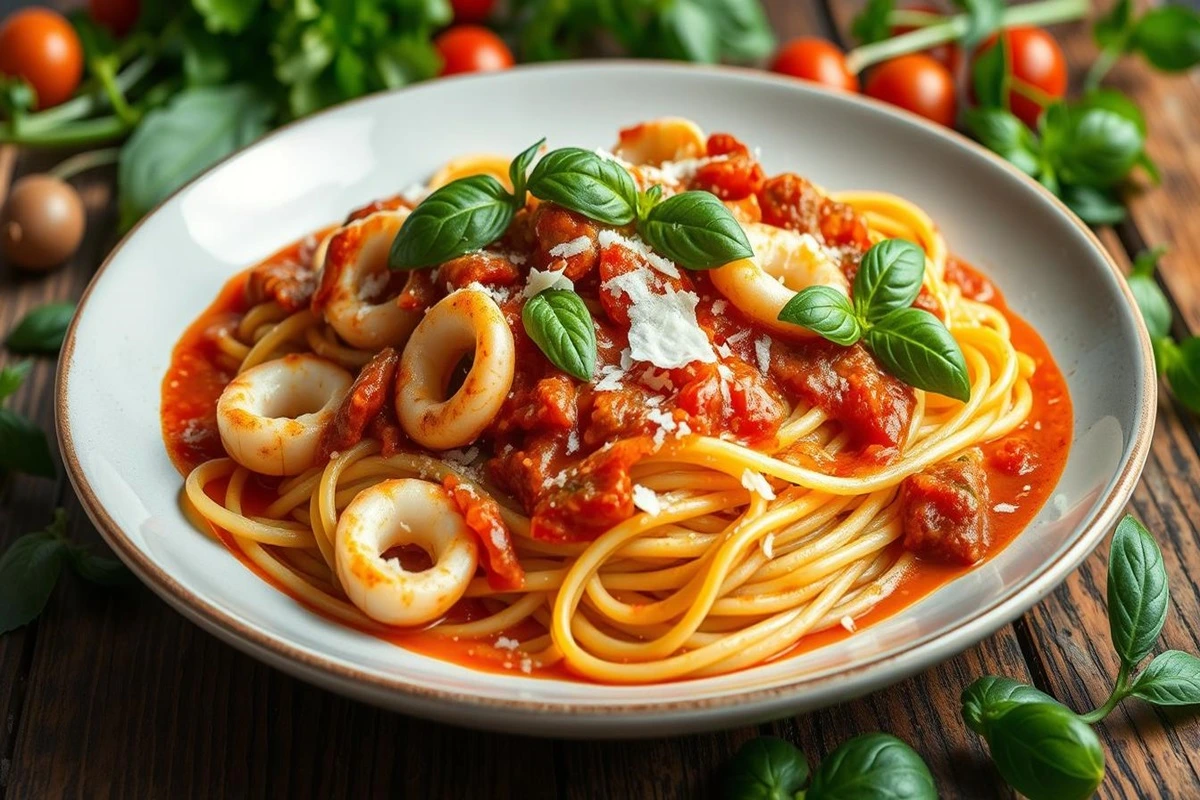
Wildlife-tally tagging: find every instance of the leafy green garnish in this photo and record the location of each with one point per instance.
(462, 216)
(561, 326)
(41, 330)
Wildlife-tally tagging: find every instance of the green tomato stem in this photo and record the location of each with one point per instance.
(911, 18)
(1043, 13)
(1120, 692)
(77, 134)
(82, 105)
(105, 72)
(1100, 67)
(82, 162)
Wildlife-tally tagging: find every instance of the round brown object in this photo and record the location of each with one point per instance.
(42, 224)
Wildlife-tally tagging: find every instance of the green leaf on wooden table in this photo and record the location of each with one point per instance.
(1093, 206)
(1137, 591)
(765, 768)
(587, 183)
(743, 31)
(989, 697)
(561, 326)
(23, 446)
(1104, 146)
(825, 311)
(874, 765)
(1151, 301)
(695, 230)
(176, 143)
(688, 32)
(1046, 752)
(227, 16)
(917, 348)
(97, 569)
(1001, 132)
(1181, 364)
(889, 277)
(462, 216)
(42, 329)
(1112, 30)
(1171, 679)
(1169, 38)
(29, 569)
(11, 378)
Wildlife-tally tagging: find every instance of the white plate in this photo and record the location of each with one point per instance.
(1052, 269)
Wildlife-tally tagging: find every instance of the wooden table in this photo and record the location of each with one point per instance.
(114, 694)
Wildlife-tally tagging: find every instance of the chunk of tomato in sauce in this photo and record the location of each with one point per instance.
(553, 227)
(482, 516)
(489, 269)
(1014, 456)
(732, 397)
(944, 510)
(736, 176)
(789, 201)
(616, 260)
(594, 496)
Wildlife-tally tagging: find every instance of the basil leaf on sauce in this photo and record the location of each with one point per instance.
(561, 326)
(695, 230)
(42, 330)
(826, 311)
(584, 182)
(873, 765)
(888, 278)
(518, 169)
(916, 347)
(462, 216)
(1137, 592)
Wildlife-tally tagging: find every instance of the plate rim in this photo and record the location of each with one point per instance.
(799, 693)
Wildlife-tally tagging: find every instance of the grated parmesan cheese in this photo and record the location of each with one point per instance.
(610, 379)
(1004, 508)
(370, 286)
(572, 441)
(504, 643)
(719, 306)
(755, 482)
(574, 247)
(662, 327)
(646, 500)
(723, 351)
(738, 337)
(540, 280)
(762, 351)
(656, 381)
(634, 244)
(767, 544)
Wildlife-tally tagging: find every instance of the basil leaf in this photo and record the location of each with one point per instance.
(687, 31)
(42, 330)
(1112, 30)
(560, 325)
(1002, 133)
(518, 169)
(1118, 103)
(1155, 308)
(826, 311)
(99, 570)
(1093, 206)
(983, 18)
(888, 278)
(177, 142)
(766, 767)
(462, 216)
(23, 446)
(1137, 591)
(28, 571)
(1055, 127)
(1181, 364)
(1146, 262)
(876, 766)
(229, 16)
(743, 31)
(12, 377)
(991, 77)
(916, 347)
(1171, 679)
(871, 24)
(580, 180)
(1046, 752)
(695, 230)
(1104, 146)
(991, 696)
(1169, 38)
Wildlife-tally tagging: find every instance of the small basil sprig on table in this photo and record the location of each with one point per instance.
(1041, 747)
(23, 445)
(910, 343)
(1168, 37)
(871, 765)
(41, 330)
(1178, 362)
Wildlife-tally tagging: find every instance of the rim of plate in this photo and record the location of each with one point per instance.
(807, 691)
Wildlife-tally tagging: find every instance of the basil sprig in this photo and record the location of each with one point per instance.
(910, 343)
(23, 445)
(578, 179)
(41, 330)
(1041, 747)
(871, 765)
(1177, 361)
(561, 326)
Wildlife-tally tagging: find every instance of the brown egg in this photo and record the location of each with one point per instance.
(42, 223)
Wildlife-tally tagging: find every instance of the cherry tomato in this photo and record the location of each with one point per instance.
(948, 55)
(1038, 71)
(816, 60)
(40, 46)
(472, 10)
(472, 48)
(915, 82)
(118, 16)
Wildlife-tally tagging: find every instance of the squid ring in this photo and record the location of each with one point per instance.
(271, 416)
(784, 262)
(397, 512)
(468, 320)
(661, 140)
(353, 263)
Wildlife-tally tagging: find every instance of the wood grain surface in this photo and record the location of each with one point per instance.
(115, 695)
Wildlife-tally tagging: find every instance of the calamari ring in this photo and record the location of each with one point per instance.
(475, 164)
(660, 140)
(270, 417)
(397, 512)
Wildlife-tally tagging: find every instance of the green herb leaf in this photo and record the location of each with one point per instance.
(888, 278)
(824, 310)
(1155, 308)
(42, 329)
(991, 76)
(1171, 679)
(176, 143)
(765, 768)
(1001, 132)
(874, 765)
(1117, 102)
(695, 230)
(1137, 591)
(1169, 38)
(518, 170)
(916, 347)
(23, 446)
(462, 216)
(687, 31)
(28, 571)
(228, 16)
(1113, 29)
(1181, 364)
(743, 31)
(991, 696)
(1046, 752)
(99, 570)
(871, 24)
(580, 180)
(983, 19)
(1104, 146)
(1093, 206)
(12, 377)
(561, 326)
(206, 59)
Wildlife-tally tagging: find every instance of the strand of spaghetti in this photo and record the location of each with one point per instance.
(324, 345)
(290, 329)
(257, 316)
(495, 623)
(280, 534)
